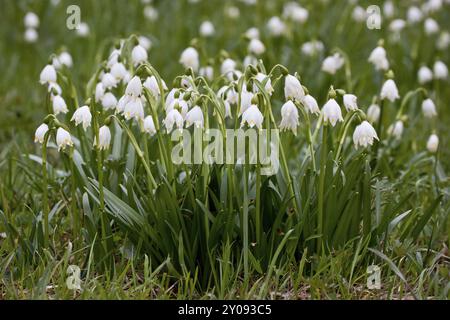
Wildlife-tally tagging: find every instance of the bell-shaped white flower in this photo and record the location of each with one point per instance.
(48, 75)
(373, 113)
(311, 48)
(63, 139)
(414, 15)
(246, 100)
(152, 85)
(440, 70)
(138, 55)
(425, 75)
(253, 117)
(232, 12)
(256, 47)
(252, 33)
(151, 13)
(173, 117)
(104, 138)
(332, 112)
(39, 135)
(359, 14)
(207, 72)
(443, 41)
(99, 92)
(31, 20)
(31, 35)
(389, 91)
(388, 9)
(261, 77)
(276, 26)
(120, 108)
(228, 65)
(145, 42)
(194, 116)
(311, 104)
(350, 102)
(190, 59)
(378, 58)
(332, 63)
(364, 135)
(109, 101)
(429, 108)
(134, 87)
(59, 105)
(54, 87)
(109, 81)
(118, 71)
(149, 125)
(82, 115)
(299, 14)
(83, 30)
(207, 29)
(431, 26)
(433, 143)
(293, 88)
(134, 109)
(397, 25)
(65, 59)
(249, 60)
(396, 129)
(289, 117)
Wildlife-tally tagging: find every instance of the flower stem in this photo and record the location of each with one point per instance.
(45, 194)
(320, 211)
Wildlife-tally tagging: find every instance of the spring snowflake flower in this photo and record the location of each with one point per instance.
(310, 104)
(31, 35)
(173, 117)
(232, 12)
(207, 29)
(253, 117)
(99, 92)
(289, 117)
(397, 25)
(151, 13)
(109, 101)
(104, 138)
(134, 109)
(414, 15)
(109, 81)
(39, 135)
(149, 125)
(63, 139)
(311, 48)
(389, 91)
(119, 71)
(207, 72)
(440, 70)
(65, 59)
(134, 87)
(82, 115)
(250, 60)
(31, 20)
(83, 30)
(396, 129)
(433, 143)
(299, 14)
(350, 102)
(424, 75)
(429, 108)
(228, 65)
(252, 33)
(246, 100)
(194, 116)
(152, 85)
(364, 135)
(332, 63)
(261, 77)
(293, 88)
(48, 75)
(443, 41)
(59, 105)
(388, 9)
(138, 55)
(189, 58)
(373, 113)
(332, 112)
(378, 58)
(145, 42)
(276, 26)
(256, 47)
(359, 14)
(431, 26)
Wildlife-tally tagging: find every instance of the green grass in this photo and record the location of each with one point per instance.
(308, 232)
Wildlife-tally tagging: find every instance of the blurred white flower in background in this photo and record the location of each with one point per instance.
(31, 35)
(189, 58)
(48, 75)
(149, 125)
(31, 20)
(108, 81)
(388, 9)
(359, 14)
(109, 101)
(424, 75)
(396, 129)
(138, 55)
(431, 26)
(151, 13)
(311, 48)
(433, 143)
(261, 77)
(145, 42)
(373, 113)
(83, 30)
(207, 29)
(39, 135)
(440, 70)
(378, 58)
(232, 12)
(414, 15)
(429, 108)
(207, 72)
(333, 63)
(276, 26)
(252, 33)
(256, 47)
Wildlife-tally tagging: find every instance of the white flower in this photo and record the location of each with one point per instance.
(104, 138)
(440, 70)
(414, 15)
(65, 59)
(63, 139)
(332, 63)
(228, 65)
(397, 25)
(311, 48)
(109, 101)
(431, 26)
(151, 13)
(276, 26)
(53, 86)
(396, 129)
(311, 104)
(149, 125)
(173, 118)
(443, 41)
(389, 91)
(134, 109)
(388, 9)
(253, 117)
(429, 108)
(194, 116)
(152, 85)
(189, 58)
(82, 115)
(207, 72)
(207, 29)
(113, 57)
(252, 33)
(246, 100)
(255, 46)
(289, 117)
(118, 71)
(378, 58)
(425, 75)
(180, 104)
(249, 60)
(359, 14)
(299, 14)
(364, 135)
(293, 88)
(109, 81)
(31, 20)
(145, 42)
(261, 77)
(332, 112)
(134, 87)
(350, 102)
(232, 12)
(433, 143)
(83, 29)
(59, 105)
(120, 108)
(99, 92)
(31, 35)
(48, 75)
(39, 135)
(138, 55)
(373, 113)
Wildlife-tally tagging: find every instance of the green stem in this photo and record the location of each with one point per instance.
(320, 211)
(73, 208)
(45, 195)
